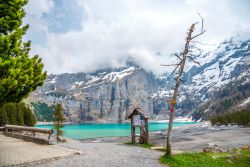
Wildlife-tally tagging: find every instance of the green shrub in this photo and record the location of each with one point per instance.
(3, 117)
(240, 118)
(17, 114)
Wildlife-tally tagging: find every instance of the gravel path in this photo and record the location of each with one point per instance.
(107, 152)
(107, 155)
(196, 137)
(193, 137)
(18, 152)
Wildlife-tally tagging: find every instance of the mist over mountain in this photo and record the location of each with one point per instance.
(110, 94)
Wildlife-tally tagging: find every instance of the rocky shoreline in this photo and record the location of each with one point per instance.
(177, 119)
(111, 151)
(192, 137)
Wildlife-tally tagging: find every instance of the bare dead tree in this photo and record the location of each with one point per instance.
(182, 57)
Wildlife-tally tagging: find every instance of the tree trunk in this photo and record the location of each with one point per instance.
(178, 80)
(170, 124)
(57, 132)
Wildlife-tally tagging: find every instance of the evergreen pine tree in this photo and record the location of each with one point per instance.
(10, 109)
(19, 73)
(3, 117)
(20, 116)
(28, 117)
(58, 120)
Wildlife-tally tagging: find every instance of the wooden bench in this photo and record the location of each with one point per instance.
(1, 129)
(28, 133)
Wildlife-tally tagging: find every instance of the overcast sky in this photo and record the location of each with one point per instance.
(86, 35)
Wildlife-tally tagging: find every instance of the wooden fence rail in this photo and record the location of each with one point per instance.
(37, 135)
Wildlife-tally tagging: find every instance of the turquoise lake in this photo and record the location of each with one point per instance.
(93, 130)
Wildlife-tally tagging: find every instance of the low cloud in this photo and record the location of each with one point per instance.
(113, 31)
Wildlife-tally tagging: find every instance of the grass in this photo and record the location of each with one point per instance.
(149, 145)
(240, 159)
(161, 149)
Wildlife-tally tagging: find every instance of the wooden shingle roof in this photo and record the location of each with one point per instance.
(137, 111)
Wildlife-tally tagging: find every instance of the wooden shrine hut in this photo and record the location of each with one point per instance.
(139, 120)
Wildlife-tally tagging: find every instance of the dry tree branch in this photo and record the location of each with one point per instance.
(177, 65)
(182, 80)
(170, 64)
(174, 70)
(178, 56)
(194, 60)
(202, 28)
(202, 22)
(179, 79)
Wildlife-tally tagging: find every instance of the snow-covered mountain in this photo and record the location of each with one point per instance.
(104, 95)
(111, 94)
(229, 62)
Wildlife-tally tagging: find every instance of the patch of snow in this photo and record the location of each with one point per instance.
(199, 120)
(229, 66)
(53, 80)
(163, 93)
(226, 56)
(183, 119)
(206, 110)
(93, 79)
(100, 78)
(205, 125)
(159, 121)
(177, 119)
(162, 77)
(181, 98)
(113, 76)
(212, 128)
(208, 57)
(122, 74)
(245, 102)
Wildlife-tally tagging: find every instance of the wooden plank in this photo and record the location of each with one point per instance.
(31, 129)
(138, 126)
(28, 138)
(17, 132)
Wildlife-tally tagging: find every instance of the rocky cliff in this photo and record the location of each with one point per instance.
(110, 94)
(104, 95)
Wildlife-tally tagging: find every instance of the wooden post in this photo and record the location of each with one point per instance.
(132, 131)
(146, 129)
(51, 132)
(141, 135)
(133, 137)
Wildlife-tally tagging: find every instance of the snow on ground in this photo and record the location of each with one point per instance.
(177, 119)
(162, 93)
(53, 80)
(218, 73)
(245, 102)
(122, 74)
(103, 77)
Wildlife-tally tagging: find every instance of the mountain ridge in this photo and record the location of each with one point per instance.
(110, 94)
